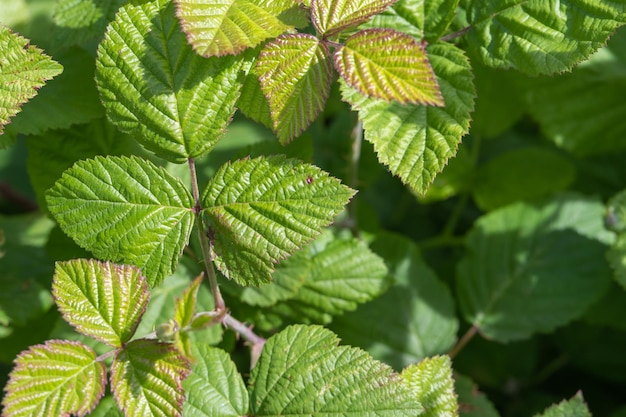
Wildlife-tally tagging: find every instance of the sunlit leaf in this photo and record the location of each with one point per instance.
(57, 378)
(388, 65)
(125, 209)
(261, 210)
(431, 382)
(78, 21)
(101, 300)
(332, 16)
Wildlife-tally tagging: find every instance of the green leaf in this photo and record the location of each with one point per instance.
(575, 407)
(253, 102)
(521, 174)
(518, 277)
(431, 381)
(227, 27)
(294, 73)
(332, 16)
(101, 300)
(324, 379)
(418, 310)
(541, 37)
(57, 378)
(71, 98)
(576, 109)
(342, 273)
(261, 210)
(78, 21)
(23, 70)
(416, 141)
(147, 377)
(389, 65)
(214, 387)
(54, 151)
(125, 209)
(155, 87)
(186, 304)
(472, 403)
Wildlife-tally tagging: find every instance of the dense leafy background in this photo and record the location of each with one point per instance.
(512, 237)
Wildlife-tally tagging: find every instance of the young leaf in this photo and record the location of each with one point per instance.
(23, 70)
(416, 141)
(518, 277)
(261, 210)
(342, 273)
(155, 87)
(575, 407)
(214, 386)
(146, 379)
(324, 379)
(227, 27)
(332, 16)
(388, 65)
(186, 304)
(125, 209)
(540, 37)
(431, 381)
(295, 74)
(419, 314)
(101, 300)
(57, 378)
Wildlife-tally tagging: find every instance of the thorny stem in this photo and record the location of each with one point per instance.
(456, 34)
(106, 355)
(256, 342)
(469, 335)
(204, 241)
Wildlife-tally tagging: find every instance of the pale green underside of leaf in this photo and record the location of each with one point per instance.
(416, 141)
(125, 210)
(420, 320)
(533, 267)
(521, 174)
(146, 379)
(473, 402)
(262, 210)
(186, 304)
(389, 65)
(332, 16)
(302, 372)
(214, 387)
(77, 21)
(541, 36)
(23, 70)
(341, 274)
(54, 379)
(574, 407)
(154, 86)
(227, 27)
(101, 300)
(294, 73)
(583, 112)
(431, 382)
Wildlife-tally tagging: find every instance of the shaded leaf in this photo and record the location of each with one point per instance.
(325, 378)
(227, 27)
(294, 73)
(23, 70)
(472, 403)
(125, 209)
(388, 65)
(101, 300)
(57, 378)
(261, 210)
(155, 87)
(431, 382)
(418, 310)
(541, 37)
(574, 407)
(214, 387)
(416, 141)
(332, 16)
(146, 379)
(518, 277)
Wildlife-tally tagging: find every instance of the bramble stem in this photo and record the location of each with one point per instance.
(204, 241)
(456, 34)
(469, 335)
(355, 157)
(256, 342)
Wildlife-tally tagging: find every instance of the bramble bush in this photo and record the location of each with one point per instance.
(312, 207)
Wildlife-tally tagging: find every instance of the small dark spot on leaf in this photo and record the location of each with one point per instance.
(309, 180)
